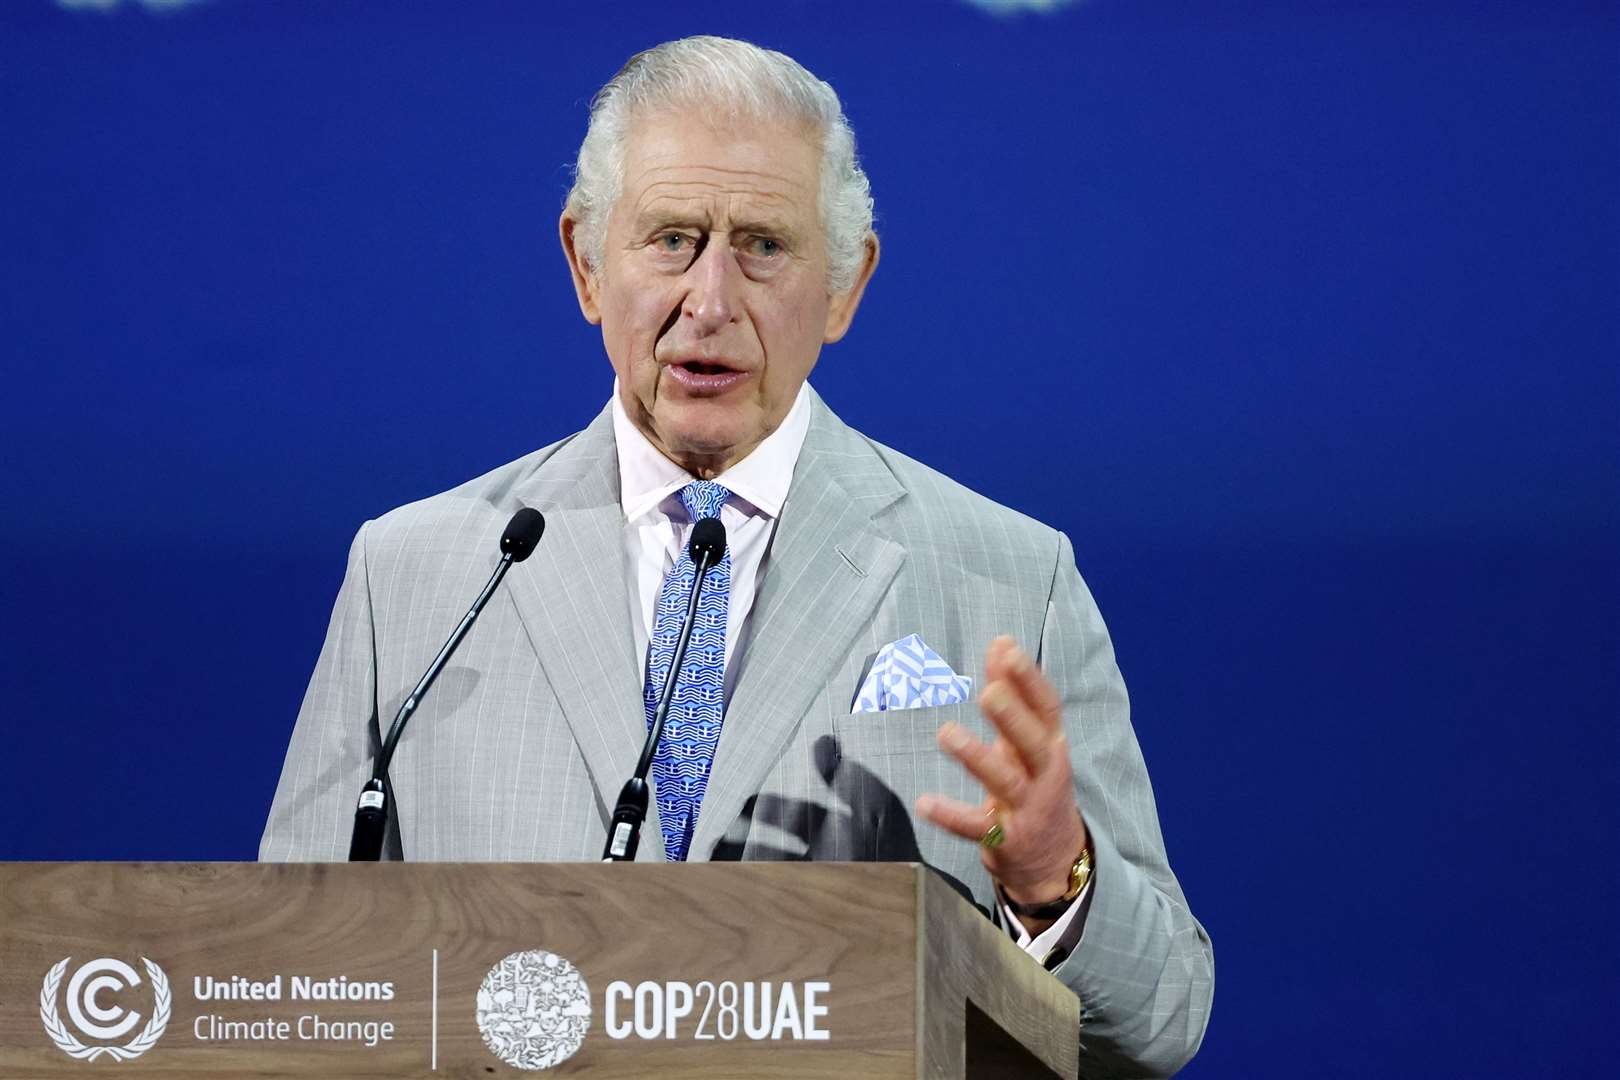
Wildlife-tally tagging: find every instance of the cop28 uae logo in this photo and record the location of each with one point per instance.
(99, 1021)
(533, 1010)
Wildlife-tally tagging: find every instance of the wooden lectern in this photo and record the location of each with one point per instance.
(752, 970)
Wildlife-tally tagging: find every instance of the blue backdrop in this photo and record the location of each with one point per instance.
(1310, 310)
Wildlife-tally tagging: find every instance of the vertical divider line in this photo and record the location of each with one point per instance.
(435, 1010)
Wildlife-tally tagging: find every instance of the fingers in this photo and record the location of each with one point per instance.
(1025, 708)
(964, 819)
(1024, 771)
(1011, 715)
(995, 657)
(1035, 688)
(1004, 778)
(1006, 661)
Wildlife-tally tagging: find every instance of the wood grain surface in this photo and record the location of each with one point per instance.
(893, 987)
(1026, 1018)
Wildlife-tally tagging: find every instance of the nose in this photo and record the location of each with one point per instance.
(712, 281)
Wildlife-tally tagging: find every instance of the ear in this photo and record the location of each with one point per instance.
(585, 279)
(841, 311)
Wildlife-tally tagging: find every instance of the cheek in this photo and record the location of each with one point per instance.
(799, 329)
(633, 319)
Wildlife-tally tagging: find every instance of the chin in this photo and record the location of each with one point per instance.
(708, 435)
(706, 444)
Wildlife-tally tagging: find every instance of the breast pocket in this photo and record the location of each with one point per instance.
(882, 762)
(904, 732)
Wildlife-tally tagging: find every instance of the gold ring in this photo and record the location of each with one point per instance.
(993, 836)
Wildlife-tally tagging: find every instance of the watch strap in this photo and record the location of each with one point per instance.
(1079, 878)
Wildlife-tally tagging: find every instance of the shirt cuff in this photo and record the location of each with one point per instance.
(1053, 945)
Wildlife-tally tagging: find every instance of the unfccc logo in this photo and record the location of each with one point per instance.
(534, 1009)
(100, 1021)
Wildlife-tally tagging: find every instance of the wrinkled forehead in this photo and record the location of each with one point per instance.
(703, 168)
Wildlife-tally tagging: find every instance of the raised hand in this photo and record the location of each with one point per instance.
(1028, 826)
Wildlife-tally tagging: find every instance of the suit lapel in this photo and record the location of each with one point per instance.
(574, 604)
(828, 569)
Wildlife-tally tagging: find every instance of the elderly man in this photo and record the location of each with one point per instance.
(719, 232)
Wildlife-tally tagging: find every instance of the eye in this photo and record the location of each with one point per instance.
(764, 246)
(671, 242)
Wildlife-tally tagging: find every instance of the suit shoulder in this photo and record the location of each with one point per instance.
(465, 513)
(950, 517)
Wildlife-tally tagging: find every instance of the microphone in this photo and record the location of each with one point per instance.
(706, 548)
(522, 533)
(371, 812)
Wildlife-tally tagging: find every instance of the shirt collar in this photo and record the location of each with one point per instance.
(647, 477)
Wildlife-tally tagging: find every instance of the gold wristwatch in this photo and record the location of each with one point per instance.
(1079, 877)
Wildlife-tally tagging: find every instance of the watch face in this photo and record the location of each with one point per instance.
(1082, 870)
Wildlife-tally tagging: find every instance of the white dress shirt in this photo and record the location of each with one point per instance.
(656, 529)
(656, 525)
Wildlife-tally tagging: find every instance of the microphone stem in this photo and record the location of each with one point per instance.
(624, 831)
(397, 728)
(651, 745)
(371, 811)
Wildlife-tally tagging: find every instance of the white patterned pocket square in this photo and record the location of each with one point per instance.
(909, 675)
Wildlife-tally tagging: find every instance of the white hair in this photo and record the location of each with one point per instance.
(739, 80)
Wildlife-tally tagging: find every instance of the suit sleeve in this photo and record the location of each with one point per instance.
(1144, 968)
(335, 737)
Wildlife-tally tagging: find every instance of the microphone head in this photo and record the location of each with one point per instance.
(522, 533)
(708, 544)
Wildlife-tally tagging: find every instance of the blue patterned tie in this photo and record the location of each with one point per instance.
(680, 767)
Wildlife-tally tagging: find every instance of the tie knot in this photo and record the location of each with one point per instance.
(703, 499)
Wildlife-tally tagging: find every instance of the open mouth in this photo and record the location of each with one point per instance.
(705, 377)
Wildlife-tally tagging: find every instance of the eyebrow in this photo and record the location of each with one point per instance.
(648, 220)
(770, 228)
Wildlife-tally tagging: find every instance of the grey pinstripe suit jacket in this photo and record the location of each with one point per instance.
(519, 751)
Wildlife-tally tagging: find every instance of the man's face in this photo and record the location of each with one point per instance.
(712, 293)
